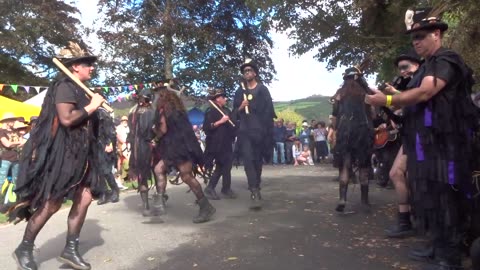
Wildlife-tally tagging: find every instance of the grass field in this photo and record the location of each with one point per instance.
(314, 107)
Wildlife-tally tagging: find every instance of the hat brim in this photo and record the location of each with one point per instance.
(429, 26)
(255, 68)
(407, 57)
(10, 119)
(83, 59)
(217, 95)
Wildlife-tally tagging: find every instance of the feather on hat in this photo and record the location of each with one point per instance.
(72, 53)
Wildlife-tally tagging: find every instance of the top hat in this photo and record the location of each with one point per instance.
(424, 19)
(249, 63)
(213, 93)
(411, 55)
(72, 53)
(8, 116)
(352, 72)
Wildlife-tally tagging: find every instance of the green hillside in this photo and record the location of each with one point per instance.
(314, 107)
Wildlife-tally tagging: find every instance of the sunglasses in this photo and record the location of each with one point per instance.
(247, 70)
(404, 67)
(90, 64)
(419, 36)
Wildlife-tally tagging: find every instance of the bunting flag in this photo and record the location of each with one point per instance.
(114, 93)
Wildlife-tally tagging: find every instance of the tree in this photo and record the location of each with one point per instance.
(201, 42)
(30, 34)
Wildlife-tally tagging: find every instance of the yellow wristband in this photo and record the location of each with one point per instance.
(389, 101)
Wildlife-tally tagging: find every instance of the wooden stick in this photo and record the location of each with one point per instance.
(247, 111)
(78, 82)
(220, 111)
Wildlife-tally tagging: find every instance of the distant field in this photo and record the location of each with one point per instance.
(314, 107)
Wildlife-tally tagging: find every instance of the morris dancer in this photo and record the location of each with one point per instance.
(255, 131)
(58, 159)
(219, 145)
(178, 147)
(354, 133)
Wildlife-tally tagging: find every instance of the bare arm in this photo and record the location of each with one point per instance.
(428, 88)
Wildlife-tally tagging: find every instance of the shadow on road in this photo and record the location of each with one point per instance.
(90, 238)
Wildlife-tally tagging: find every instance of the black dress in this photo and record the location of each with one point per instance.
(56, 158)
(355, 131)
(179, 144)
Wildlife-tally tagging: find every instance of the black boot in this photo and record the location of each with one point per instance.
(475, 254)
(403, 228)
(102, 199)
(343, 197)
(423, 254)
(115, 195)
(158, 204)
(146, 206)
(256, 199)
(210, 193)
(206, 211)
(71, 256)
(364, 198)
(23, 255)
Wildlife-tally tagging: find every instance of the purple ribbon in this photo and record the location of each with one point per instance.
(419, 149)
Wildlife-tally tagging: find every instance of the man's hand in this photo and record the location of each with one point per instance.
(377, 99)
(390, 89)
(224, 119)
(243, 105)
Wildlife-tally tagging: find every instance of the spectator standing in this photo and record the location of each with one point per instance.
(279, 136)
(304, 134)
(311, 143)
(320, 134)
(291, 136)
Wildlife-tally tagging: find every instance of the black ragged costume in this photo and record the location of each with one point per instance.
(438, 142)
(140, 123)
(255, 131)
(179, 144)
(219, 147)
(354, 131)
(56, 159)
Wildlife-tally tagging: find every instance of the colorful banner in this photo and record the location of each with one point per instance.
(113, 93)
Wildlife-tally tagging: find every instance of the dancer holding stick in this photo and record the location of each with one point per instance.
(58, 160)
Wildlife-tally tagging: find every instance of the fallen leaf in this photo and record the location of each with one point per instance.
(232, 258)
(107, 260)
(262, 237)
(195, 265)
(150, 258)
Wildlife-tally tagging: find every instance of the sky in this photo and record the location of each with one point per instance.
(297, 77)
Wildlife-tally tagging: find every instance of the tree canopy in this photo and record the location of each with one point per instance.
(201, 42)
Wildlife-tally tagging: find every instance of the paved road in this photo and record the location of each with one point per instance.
(297, 229)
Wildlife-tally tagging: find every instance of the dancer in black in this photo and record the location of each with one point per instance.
(354, 132)
(219, 145)
(178, 146)
(439, 120)
(408, 65)
(140, 138)
(254, 112)
(58, 159)
(107, 159)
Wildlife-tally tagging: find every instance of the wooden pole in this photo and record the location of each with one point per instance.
(78, 82)
(247, 110)
(220, 111)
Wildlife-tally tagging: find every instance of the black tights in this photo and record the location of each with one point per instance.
(76, 217)
(346, 170)
(186, 173)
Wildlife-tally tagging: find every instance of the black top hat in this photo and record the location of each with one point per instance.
(424, 19)
(352, 72)
(249, 63)
(214, 93)
(146, 93)
(72, 53)
(410, 55)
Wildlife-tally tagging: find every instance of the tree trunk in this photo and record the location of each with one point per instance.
(168, 41)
